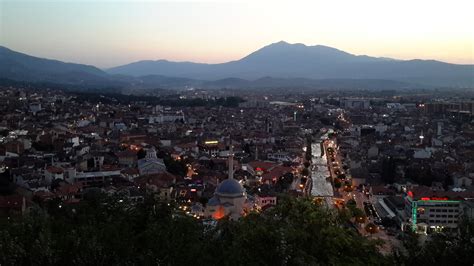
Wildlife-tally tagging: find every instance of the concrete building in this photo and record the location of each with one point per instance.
(151, 164)
(52, 172)
(428, 210)
(355, 103)
(468, 209)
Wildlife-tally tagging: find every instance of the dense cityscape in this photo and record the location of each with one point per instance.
(390, 166)
(237, 133)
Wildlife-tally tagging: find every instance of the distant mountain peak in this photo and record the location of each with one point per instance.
(301, 45)
(18, 66)
(280, 43)
(285, 63)
(285, 43)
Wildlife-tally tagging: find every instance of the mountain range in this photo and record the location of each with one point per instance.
(276, 65)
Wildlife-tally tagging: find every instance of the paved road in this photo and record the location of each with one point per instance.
(321, 186)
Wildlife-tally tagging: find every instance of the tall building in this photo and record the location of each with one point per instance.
(465, 107)
(428, 210)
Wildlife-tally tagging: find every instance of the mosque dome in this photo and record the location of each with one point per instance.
(214, 201)
(230, 188)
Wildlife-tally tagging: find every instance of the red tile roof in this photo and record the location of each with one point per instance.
(54, 170)
(276, 172)
(261, 164)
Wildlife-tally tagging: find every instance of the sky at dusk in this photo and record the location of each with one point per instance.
(110, 33)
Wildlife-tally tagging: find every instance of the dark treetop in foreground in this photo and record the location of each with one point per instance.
(104, 231)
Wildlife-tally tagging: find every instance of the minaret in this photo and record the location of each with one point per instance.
(231, 162)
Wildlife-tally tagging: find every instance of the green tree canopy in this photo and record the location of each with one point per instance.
(109, 231)
(439, 248)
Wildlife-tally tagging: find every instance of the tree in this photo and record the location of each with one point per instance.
(305, 172)
(439, 248)
(112, 231)
(300, 232)
(388, 170)
(174, 166)
(247, 148)
(6, 184)
(284, 182)
(356, 212)
(41, 146)
(348, 187)
(309, 152)
(360, 219)
(351, 203)
(371, 228)
(141, 154)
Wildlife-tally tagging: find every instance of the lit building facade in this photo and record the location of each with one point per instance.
(428, 213)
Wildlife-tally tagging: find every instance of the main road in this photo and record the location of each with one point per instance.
(321, 184)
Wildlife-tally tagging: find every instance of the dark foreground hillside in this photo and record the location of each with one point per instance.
(104, 231)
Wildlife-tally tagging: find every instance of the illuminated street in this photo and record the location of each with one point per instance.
(321, 185)
(191, 133)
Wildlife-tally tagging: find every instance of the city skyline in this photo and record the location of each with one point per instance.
(108, 34)
(236, 132)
